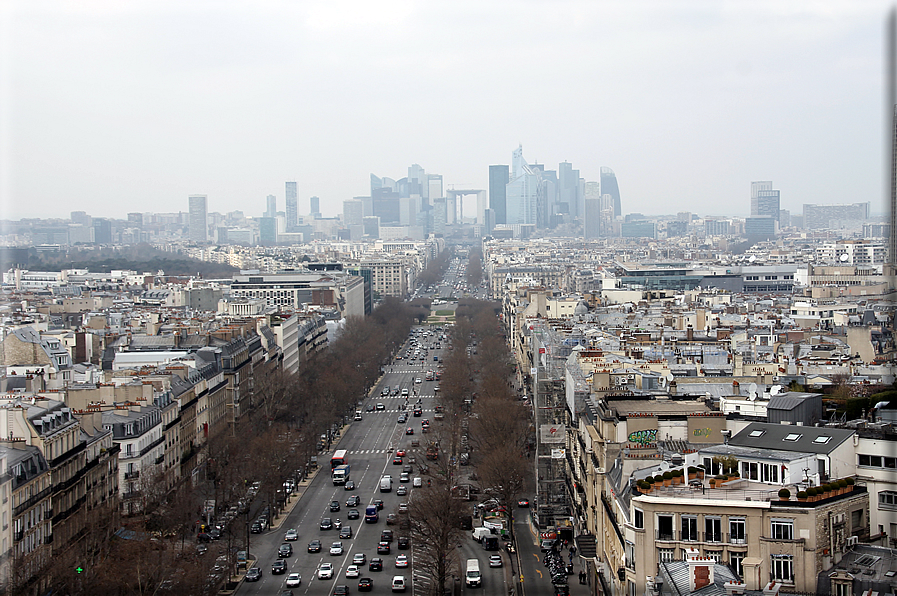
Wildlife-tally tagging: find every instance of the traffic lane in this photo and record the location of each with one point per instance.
(536, 581)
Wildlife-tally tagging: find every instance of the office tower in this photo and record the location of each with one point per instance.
(385, 205)
(315, 207)
(371, 226)
(268, 231)
(499, 177)
(716, 227)
(568, 189)
(761, 227)
(784, 218)
(756, 188)
(292, 202)
(609, 187)
(271, 206)
(417, 183)
(434, 190)
(818, 217)
(892, 233)
(767, 203)
(591, 221)
(522, 194)
(198, 218)
(489, 221)
(353, 212)
(81, 217)
(102, 230)
(408, 208)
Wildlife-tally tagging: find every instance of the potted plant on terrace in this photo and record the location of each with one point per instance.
(784, 494)
(842, 486)
(692, 472)
(850, 482)
(677, 477)
(802, 496)
(667, 478)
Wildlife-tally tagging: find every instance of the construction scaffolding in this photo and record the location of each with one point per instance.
(553, 508)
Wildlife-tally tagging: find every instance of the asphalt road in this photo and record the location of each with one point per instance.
(370, 444)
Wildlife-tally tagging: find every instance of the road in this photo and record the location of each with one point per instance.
(370, 443)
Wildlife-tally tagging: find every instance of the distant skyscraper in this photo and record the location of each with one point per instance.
(81, 217)
(292, 202)
(499, 177)
(272, 206)
(756, 187)
(353, 212)
(198, 218)
(102, 230)
(315, 206)
(892, 233)
(609, 187)
(522, 191)
(767, 203)
(268, 231)
(568, 189)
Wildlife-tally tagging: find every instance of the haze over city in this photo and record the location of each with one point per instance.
(112, 108)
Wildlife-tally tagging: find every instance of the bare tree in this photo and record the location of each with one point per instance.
(436, 531)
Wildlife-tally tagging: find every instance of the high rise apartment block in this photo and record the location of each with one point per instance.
(292, 206)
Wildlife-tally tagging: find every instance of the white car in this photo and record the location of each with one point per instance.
(417, 482)
(294, 580)
(402, 561)
(418, 380)
(325, 571)
(353, 571)
(291, 535)
(336, 548)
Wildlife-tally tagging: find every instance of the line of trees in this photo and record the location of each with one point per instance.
(269, 444)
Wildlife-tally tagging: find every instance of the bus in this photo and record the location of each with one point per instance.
(339, 458)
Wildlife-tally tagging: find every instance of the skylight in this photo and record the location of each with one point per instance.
(822, 439)
(756, 433)
(792, 437)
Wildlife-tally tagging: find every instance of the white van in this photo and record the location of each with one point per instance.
(472, 576)
(398, 583)
(478, 533)
(386, 484)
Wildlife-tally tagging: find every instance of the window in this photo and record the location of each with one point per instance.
(666, 555)
(664, 527)
(630, 555)
(736, 562)
(716, 555)
(821, 440)
(737, 530)
(713, 529)
(639, 519)
(782, 568)
(769, 473)
(792, 437)
(782, 529)
(749, 470)
(887, 499)
(756, 433)
(689, 528)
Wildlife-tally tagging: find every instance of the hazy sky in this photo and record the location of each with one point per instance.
(111, 106)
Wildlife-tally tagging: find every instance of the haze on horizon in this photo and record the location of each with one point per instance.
(112, 107)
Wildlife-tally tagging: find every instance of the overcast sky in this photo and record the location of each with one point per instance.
(112, 106)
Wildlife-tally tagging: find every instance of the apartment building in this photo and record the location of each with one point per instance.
(137, 430)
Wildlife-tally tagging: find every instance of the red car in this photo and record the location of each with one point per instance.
(400, 453)
(409, 431)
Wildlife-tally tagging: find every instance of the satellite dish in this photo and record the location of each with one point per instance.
(844, 258)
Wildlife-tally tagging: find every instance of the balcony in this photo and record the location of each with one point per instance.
(132, 475)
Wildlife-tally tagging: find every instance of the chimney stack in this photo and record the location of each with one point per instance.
(700, 571)
(734, 588)
(772, 589)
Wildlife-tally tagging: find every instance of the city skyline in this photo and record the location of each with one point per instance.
(82, 127)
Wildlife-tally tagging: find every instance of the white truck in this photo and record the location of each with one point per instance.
(386, 484)
(472, 576)
(340, 474)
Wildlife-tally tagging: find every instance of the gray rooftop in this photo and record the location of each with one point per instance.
(789, 437)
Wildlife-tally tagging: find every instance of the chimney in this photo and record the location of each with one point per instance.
(734, 587)
(772, 589)
(700, 571)
(689, 333)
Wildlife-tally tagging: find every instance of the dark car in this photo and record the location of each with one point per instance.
(353, 501)
(378, 503)
(376, 564)
(383, 548)
(326, 523)
(409, 430)
(523, 503)
(253, 575)
(350, 485)
(334, 505)
(341, 591)
(404, 542)
(285, 550)
(345, 532)
(365, 584)
(314, 546)
(369, 408)
(279, 566)
(255, 528)
(353, 514)
(407, 469)
(386, 535)
(397, 461)
(391, 519)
